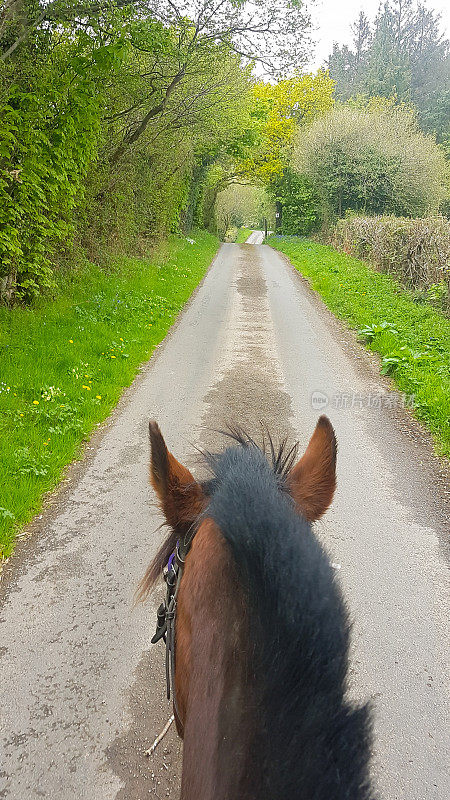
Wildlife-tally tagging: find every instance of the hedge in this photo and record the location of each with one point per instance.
(415, 251)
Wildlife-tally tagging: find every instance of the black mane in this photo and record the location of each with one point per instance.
(281, 458)
(315, 743)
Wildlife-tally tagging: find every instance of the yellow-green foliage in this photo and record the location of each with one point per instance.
(278, 111)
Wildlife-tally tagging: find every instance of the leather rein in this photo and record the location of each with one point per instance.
(165, 625)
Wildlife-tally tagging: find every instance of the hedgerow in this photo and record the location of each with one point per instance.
(415, 251)
(48, 138)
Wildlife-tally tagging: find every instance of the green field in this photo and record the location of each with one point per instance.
(65, 362)
(413, 339)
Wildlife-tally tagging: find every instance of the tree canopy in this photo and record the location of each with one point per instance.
(277, 112)
(402, 54)
(112, 113)
(372, 159)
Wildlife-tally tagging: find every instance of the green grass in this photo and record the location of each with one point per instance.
(65, 362)
(243, 234)
(414, 344)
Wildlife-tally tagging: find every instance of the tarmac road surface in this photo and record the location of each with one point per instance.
(82, 690)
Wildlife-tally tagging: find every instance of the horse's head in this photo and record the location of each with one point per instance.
(311, 481)
(261, 628)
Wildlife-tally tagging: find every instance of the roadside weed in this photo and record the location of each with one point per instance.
(369, 332)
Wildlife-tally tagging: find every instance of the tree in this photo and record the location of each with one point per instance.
(275, 34)
(401, 54)
(114, 111)
(372, 160)
(299, 203)
(278, 111)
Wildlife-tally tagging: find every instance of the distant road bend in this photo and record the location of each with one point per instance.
(82, 691)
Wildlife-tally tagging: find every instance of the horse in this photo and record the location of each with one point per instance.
(260, 629)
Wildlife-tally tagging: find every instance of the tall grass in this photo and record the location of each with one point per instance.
(65, 362)
(412, 339)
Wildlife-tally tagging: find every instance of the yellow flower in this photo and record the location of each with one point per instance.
(98, 397)
(71, 341)
(112, 356)
(45, 444)
(35, 402)
(121, 339)
(86, 387)
(8, 388)
(21, 415)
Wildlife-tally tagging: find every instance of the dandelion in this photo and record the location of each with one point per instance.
(86, 387)
(21, 415)
(35, 402)
(121, 339)
(112, 356)
(98, 397)
(71, 341)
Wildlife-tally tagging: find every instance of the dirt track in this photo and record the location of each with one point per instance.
(82, 691)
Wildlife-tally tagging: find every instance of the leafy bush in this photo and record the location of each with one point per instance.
(415, 251)
(300, 204)
(373, 160)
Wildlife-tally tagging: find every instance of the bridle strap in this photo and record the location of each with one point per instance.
(166, 614)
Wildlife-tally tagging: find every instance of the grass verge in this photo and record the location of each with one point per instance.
(412, 339)
(65, 362)
(242, 235)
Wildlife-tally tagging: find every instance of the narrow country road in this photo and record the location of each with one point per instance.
(82, 690)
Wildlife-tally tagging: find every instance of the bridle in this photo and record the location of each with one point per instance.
(165, 625)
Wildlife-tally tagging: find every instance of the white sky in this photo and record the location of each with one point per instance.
(333, 19)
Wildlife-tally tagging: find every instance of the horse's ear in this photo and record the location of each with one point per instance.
(180, 495)
(313, 479)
